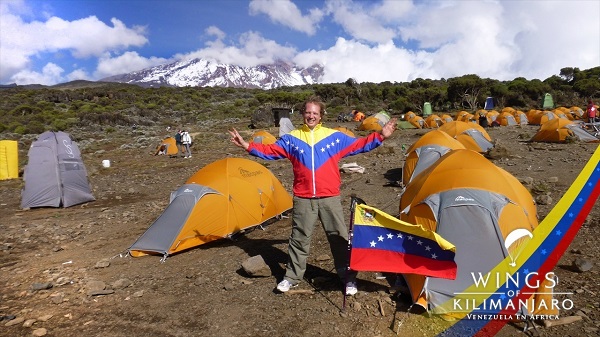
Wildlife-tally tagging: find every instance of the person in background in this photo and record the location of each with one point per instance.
(180, 148)
(315, 152)
(592, 112)
(186, 140)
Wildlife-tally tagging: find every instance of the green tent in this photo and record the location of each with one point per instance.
(426, 109)
(547, 103)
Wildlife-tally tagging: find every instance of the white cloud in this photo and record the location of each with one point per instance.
(50, 74)
(125, 63)
(87, 37)
(500, 40)
(359, 22)
(252, 50)
(375, 41)
(215, 31)
(286, 13)
(78, 74)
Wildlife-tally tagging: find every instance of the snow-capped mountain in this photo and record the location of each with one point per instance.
(202, 73)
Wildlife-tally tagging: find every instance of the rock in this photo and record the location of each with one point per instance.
(323, 257)
(44, 318)
(57, 298)
(102, 264)
(62, 281)
(121, 284)
(101, 292)
(527, 181)
(41, 286)
(15, 321)
(40, 332)
(255, 266)
(29, 323)
(581, 264)
(543, 199)
(94, 285)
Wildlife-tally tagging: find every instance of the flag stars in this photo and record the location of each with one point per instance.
(427, 248)
(380, 238)
(525, 271)
(302, 151)
(332, 144)
(559, 232)
(544, 252)
(372, 243)
(328, 146)
(434, 256)
(419, 242)
(322, 149)
(410, 237)
(337, 140)
(399, 236)
(390, 236)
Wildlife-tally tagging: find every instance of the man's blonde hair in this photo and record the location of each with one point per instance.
(315, 100)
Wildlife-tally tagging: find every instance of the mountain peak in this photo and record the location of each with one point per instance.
(205, 73)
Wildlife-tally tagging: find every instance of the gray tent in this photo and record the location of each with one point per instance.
(55, 175)
(285, 126)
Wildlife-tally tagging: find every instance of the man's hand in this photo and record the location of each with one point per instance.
(389, 128)
(237, 139)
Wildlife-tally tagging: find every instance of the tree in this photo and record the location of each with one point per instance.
(466, 89)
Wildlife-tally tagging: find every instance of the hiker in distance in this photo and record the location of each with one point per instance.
(315, 151)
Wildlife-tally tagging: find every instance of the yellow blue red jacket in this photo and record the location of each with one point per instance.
(315, 155)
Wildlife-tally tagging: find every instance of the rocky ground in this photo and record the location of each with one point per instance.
(62, 272)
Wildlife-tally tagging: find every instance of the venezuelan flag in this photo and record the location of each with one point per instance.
(383, 243)
(540, 255)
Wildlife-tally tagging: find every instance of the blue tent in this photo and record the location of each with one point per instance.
(489, 103)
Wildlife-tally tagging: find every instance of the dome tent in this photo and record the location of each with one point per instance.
(219, 200)
(488, 220)
(55, 175)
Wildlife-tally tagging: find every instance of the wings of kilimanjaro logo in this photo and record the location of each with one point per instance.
(247, 174)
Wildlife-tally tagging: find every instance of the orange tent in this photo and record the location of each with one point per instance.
(446, 118)
(417, 121)
(576, 112)
(540, 117)
(358, 116)
(506, 119)
(345, 130)
(433, 121)
(168, 146)
(488, 220)
(557, 130)
(375, 122)
(425, 151)
(471, 135)
(521, 117)
(221, 199)
(263, 137)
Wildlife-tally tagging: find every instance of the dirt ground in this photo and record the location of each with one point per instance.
(62, 272)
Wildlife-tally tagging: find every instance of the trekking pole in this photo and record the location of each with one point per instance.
(353, 201)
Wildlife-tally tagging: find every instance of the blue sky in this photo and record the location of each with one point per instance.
(49, 42)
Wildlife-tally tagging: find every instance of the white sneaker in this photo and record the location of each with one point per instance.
(351, 289)
(285, 285)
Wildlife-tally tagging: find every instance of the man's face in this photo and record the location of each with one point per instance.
(312, 115)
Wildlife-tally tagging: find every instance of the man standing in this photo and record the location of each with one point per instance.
(592, 112)
(315, 151)
(179, 144)
(186, 140)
